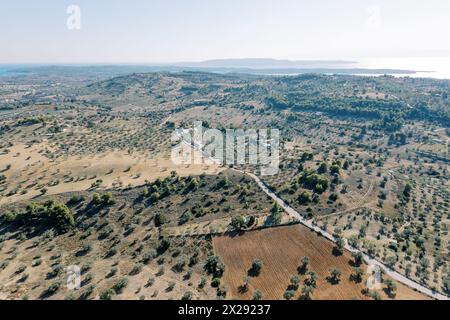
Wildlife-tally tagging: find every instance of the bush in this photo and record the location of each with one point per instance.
(155, 196)
(214, 266)
(256, 267)
(57, 269)
(275, 214)
(107, 294)
(75, 200)
(193, 184)
(88, 292)
(295, 281)
(335, 276)
(289, 294)
(164, 245)
(238, 223)
(202, 283)
(85, 250)
(160, 219)
(145, 192)
(334, 169)
(96, 199)
(112, 272)
(334, 196)
(49, 213)
(170, 286)
(179, 265)
(222, 291)
(53, 288)
(149, 256)
(108, 199)
(111, 252)
(215, 283)
(136, 270)
(304, 264)
(357, 274)
(187, 296)
(150, 282)
(120, 285)
(86, 267)
(257, 295)
(304, 198)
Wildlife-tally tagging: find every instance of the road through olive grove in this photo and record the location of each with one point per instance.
(308, 223)
(371, 261)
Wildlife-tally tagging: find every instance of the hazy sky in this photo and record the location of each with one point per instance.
(145, 31)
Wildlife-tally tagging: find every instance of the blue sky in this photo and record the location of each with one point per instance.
(148, 31)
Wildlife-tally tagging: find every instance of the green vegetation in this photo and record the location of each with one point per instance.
(47, 214)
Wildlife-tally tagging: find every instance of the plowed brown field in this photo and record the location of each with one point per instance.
(280, 250)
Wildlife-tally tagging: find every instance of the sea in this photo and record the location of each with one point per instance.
(8, 70)
(425, 67)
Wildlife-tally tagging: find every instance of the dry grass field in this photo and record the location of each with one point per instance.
(30, 171)
(280, 249)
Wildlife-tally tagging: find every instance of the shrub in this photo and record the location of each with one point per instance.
(86, 267)
(257, 295)
(295, 281)
(136, 269)
(48, 213)
(214, 266)
(108, 199)
(238, 223)
(304, 198)
(357, 274)
(202, 283)
(334, 196)
(215, 283)
(88, 292)
(96, 199)
(112, 272)
(149, 256)
(304, 263)
(160, 219)
(150, 282)
(107, 294)
(256, 267)
(335, 276)
(187, 296)
(289, 294)
(53, 288)
(111, 252)
(120, 285)
(164, 245)
(170, 286)
(222, 291)
(179, 265)
(74, 200)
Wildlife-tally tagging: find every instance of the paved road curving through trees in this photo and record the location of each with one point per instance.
(371, 261)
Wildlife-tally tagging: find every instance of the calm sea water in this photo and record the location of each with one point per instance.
(5, 70)
(426, 67)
